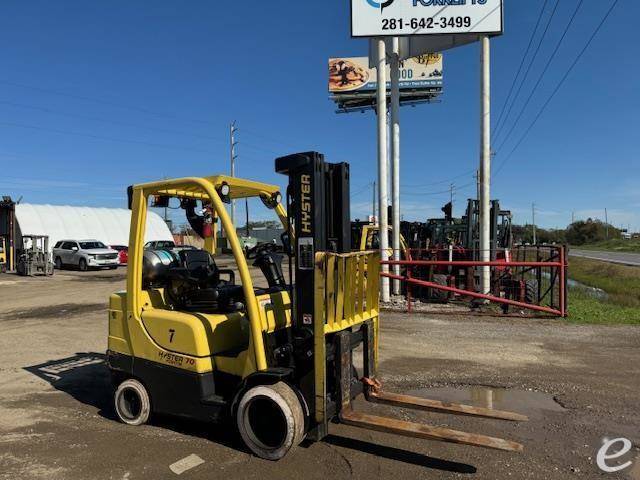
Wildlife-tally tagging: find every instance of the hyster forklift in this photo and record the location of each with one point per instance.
(186, 339)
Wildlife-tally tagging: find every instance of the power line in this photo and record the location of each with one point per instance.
(542, 74)
(440, 182)
(105, 102)
(106, 120)
(524, 57)
(555, 91)
(362, 190)
(447, 191)
(100, 137)
(526, 74)
(267, 138)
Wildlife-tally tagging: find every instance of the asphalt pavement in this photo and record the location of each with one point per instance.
(623, 258)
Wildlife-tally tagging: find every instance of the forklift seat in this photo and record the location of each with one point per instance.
(196, 286)
(201, 265)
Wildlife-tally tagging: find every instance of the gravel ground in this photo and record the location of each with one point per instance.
(578, 384)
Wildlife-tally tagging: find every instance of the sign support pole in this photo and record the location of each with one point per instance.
(485, 164)
(395, 155)
(383, 175)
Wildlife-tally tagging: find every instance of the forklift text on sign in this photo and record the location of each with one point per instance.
(376, 18)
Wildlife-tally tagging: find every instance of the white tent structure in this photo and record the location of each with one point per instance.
(108, 225)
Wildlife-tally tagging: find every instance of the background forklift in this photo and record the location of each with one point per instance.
(185, 339)
(34, 256)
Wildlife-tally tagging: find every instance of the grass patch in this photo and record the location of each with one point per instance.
(617, 245)
(585, 309)
(621, 282)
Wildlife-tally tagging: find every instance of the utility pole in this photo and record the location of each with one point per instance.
(246, 206)
(375, 193)
(395, 156)
(232, 145)
(606, 223)
(573, 218)
(485, 163)
(451, 189)
(383, 175)
(533, 217)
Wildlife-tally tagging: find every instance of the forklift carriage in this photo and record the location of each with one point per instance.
(276, 360)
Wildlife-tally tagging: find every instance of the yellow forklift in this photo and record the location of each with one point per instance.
(188, 338)
(3, 255)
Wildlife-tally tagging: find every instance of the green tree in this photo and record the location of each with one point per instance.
(590, 231)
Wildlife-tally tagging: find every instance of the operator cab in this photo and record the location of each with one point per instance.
(192, 281)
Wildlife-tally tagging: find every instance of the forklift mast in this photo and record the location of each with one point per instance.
(500, 221)
(318, 207)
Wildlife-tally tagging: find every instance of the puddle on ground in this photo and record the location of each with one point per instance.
(518, 401)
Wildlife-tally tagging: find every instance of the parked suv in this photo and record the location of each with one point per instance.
(160, 245)
(84, 254)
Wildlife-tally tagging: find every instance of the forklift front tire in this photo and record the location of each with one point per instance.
(270, 420)
(132, 402)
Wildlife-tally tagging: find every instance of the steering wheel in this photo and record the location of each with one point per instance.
(261, 249)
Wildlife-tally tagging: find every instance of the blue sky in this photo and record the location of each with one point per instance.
(98, 95)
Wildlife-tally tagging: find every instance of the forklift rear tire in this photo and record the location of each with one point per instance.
(271, 420)
(531, 289)
(132, 402)
(440, 295)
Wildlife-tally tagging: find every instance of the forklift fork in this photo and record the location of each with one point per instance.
(374, 393)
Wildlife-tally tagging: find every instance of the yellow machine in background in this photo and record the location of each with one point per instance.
(191, 339)
(3, 255)
(369, 239)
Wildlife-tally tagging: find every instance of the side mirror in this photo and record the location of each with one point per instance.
(286, 243)
(75, 249)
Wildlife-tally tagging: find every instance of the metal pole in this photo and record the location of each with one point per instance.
(375, 193)
(232, 131)
(383, 175)
(246, 209)
(451, 189)
(485, 164)
(395, 155)
(533, 222)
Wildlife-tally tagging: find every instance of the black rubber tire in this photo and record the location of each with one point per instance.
(113, 268)
(440, 295)
(132, 403)
(58, 263)
(281, 416)
(82, 265)
(531, 289)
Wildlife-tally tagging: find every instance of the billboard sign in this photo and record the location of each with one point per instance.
(348, 76)
(379, 18)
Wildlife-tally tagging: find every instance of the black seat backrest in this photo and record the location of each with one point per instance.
(200, 265)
